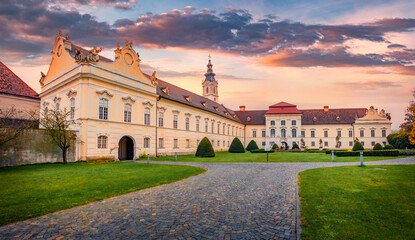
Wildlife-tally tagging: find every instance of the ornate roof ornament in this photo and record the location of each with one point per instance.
(42, 79)
(67, 37)
(153, 79)
(60, 33)
(93, 56)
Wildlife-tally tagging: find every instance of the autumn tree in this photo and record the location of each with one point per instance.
(408, 123)
(56, 124)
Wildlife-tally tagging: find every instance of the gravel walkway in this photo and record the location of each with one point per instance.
(229, 201)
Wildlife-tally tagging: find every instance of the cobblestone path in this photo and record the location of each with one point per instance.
(229, 201)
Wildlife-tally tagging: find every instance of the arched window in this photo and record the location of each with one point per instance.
(72, 108)
(207, 89)
(293, 122)
(127, 112)
(272, 132)
(282, 122)
(147, 116)
(272, 123)
(103, 108)
(102, 142)
(294, 133)
(283, 133)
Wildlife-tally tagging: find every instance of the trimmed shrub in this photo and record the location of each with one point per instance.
(205, 149)
(252, 146)
(388, 146)
(377, 147)
(275, 146)
(368, 153)
(295, 146)
(261, 151)
(358, 146)
(236, 146)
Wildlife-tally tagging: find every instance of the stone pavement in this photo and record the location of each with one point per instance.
(229, 201)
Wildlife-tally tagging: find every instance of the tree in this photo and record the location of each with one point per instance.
(388, 146)
(295, 146)
(358, 146)
(275, 146)
(205, 149)
(11, 127)
(400, 140)
(56, 124)
(408, 123)
(236, 146)
(252, 146)
(377, 147)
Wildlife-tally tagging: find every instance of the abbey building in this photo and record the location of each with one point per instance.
(124, 112)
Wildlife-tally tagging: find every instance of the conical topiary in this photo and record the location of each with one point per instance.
(377, 147)
(275, 146)
(236, 146)
(295, 146)
(205, 149)
(358, 146)
(252, 146)
(388, 146)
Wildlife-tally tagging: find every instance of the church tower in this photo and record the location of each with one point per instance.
(210, 85)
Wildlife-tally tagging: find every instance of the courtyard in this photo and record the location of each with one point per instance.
(236, 200)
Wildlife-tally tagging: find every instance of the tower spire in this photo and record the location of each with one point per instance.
(210, 85)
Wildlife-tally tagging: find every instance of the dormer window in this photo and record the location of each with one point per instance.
(165, 90)
(216, 108)
(248, 119)
(338, 118)
(226, 113)
(314, 119)
(204, 104)
(188, 98)
(234, 116)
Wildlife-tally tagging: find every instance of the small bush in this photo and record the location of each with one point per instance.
(377, 147)
(252, 146)
(275, 146)
(358, 146)
(388, 146)
(295, 146)
(368, 153)
(261, 151)
(236, 146)
(205, 149)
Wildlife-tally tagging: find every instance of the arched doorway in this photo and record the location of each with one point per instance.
(126, 148)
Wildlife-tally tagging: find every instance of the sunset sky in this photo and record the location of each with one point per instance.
(307, 52)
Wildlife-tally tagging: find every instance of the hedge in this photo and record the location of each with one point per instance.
(205, 149)
(388, 146)
(261, 151)
(236, 146)
(368, 153)
(328, 151)
(252, 145)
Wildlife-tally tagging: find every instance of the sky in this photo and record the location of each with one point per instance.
(311, 53)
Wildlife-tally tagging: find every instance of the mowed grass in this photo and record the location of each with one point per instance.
(273, 157)
(34, 190)
(371, 202)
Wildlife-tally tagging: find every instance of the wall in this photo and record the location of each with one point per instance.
(34, 146)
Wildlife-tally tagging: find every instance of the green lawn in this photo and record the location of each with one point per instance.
(34, 190)
(358, 202)
(273, 157)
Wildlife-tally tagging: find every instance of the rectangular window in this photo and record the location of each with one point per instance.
(218, 128)
(103, 108)
(212, 127)
(383, 132)
(228, 143)
(326, 143)
(313, 133)
(127, 113)
(313, 144)
(350, 133)
(326, 133)
(197, 125)
(197, 142)
(175, 119)
(254, 133)
(233, 131)
(72, 108)
(147, 116)
(223, 143)
(362, 133)
(175, 143)
(161, 119)
(102, 142)
(218, 143)
(350, 143)
(339, 133)
(224, 127)
(263, 133)
(302, 133)
(263, 143)
(372, 132)
(206, 125)
(373, 143)
(187, 143)
(146, 142)
(161, 142)
(384, 143)
(187, 123)
(228, 131)
(363, 143)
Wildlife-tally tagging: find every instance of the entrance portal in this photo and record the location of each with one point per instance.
(126, 148)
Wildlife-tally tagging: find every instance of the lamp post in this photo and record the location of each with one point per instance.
(361, 158)
(332, 155)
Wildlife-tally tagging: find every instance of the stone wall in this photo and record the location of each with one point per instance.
(34, 146)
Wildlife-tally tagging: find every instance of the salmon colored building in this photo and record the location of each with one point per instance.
(124, 113)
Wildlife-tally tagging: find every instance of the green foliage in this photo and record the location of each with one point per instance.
(252, 146)
(400, 140)
(205, 149)
(295, 146)
(388, 146)
(275, 146)
(35, 190)
(261, 151)
(236, 146)
(408, 152)
(377, 147)
(367, 153)
(358, 146)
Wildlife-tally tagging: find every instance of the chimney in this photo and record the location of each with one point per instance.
(242, 108)
(326, 109)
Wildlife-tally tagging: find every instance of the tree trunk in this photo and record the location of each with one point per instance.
(64, 155)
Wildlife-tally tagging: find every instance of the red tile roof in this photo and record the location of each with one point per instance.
(283, 108)
(332, 116)
(11, 84)
(254, 117)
